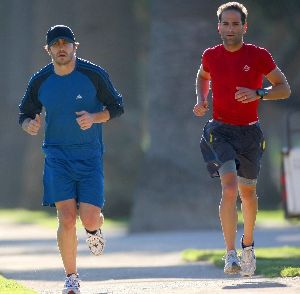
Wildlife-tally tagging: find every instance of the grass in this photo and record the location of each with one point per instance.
(46, 218)
(8, 286)
(274, 217)
(270, 262)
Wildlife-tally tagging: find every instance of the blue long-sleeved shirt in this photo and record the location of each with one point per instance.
(88, 88)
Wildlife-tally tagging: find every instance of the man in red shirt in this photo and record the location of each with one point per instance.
(232, 143)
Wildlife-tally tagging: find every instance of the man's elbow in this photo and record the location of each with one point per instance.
(115, 111)
(288, 91)
(121, 110)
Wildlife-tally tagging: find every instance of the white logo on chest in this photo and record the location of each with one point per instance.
(78, 97)
(246, 68)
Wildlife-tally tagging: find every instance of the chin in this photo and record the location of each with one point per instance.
(63, 62)
(231, 43)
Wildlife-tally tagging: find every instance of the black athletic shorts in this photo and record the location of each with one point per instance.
(221, 142)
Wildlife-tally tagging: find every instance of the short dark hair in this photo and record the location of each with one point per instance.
(233, 6)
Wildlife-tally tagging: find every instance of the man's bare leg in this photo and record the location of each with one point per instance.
(91, 216)
(92, 219)
(66, 234)
(249, 209)
(227, 209)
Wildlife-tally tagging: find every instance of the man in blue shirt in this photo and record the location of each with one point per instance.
(78, 97)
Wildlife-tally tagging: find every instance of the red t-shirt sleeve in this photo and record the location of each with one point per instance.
(205, 60)
(265, 62)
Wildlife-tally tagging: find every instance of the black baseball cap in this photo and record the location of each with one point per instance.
(59, 32)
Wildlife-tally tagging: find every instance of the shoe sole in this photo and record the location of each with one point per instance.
(71, 292)
(246, 274)
(235, 269)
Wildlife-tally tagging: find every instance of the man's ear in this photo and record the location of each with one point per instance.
(218, 28)
(245, 28)
(47, 49)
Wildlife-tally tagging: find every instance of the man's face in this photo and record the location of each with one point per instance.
(231, 28)
(62, 52)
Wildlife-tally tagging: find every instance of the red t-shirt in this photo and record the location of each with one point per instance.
(228, 70)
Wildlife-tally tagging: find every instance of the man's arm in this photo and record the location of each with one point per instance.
(32, 126)
(86, 119)
(202, 90)
(30, 109)
(280, 89)
(109, 97)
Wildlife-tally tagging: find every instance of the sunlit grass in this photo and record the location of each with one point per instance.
(8, 286)
(47, 218)
(272, 217)
(271, 262)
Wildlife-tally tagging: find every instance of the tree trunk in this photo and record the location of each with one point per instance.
(174, 190)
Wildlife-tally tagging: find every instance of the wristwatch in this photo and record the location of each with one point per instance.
(262, 92)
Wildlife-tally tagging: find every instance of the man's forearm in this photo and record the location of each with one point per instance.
(202, 89)
(279, 91)
(102, 116)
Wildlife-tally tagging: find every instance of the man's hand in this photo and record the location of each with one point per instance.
(32, 126)
(85, 119)
(201, 108)
(245, 95)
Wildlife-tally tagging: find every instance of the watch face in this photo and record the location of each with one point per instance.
(261, 92)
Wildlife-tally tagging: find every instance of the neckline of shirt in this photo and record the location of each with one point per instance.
(66, 75)
(233, 52)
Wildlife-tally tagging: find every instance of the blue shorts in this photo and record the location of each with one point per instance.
(81, 180)
(222, 142)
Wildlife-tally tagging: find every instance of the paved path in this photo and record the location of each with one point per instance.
(135, 263)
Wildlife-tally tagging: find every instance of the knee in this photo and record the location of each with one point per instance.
(92, 219)
(248, 196)
(230, 191)
(67, 219)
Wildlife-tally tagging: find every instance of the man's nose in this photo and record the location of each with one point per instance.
(230, 28)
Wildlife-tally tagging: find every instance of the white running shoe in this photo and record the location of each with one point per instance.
(232, 263)
(248, 261)
(72, 285)
(96, 242)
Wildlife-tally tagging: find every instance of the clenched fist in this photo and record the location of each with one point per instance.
(200, 108)
(32, 126)
(85, 119)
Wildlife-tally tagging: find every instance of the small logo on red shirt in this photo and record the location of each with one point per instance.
(246, 68)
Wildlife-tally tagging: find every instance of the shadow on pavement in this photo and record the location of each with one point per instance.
(253, 285)
(190, 271)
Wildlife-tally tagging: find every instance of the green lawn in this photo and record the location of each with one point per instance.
(270, 217)
(8, 286)
(271, 262)
(46, 218)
